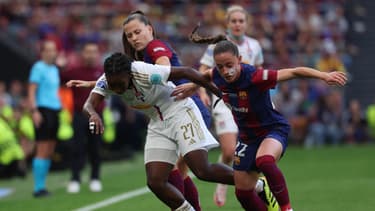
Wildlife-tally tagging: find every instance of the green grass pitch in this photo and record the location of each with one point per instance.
(325, 179)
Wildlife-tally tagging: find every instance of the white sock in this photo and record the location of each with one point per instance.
(185, 207)
(259, 186)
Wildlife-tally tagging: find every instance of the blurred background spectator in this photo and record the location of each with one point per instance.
(314, 33)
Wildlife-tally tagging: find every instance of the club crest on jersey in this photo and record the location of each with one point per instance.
(158, 49)
(155, 79)
(242, 95)
(237, 160)
(101, 84)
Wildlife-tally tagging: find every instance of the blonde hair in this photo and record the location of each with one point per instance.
(236, 8)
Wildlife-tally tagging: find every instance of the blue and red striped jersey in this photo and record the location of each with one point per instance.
(250, 102)
(156, 49)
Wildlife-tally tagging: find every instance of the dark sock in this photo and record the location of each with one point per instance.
(191, 193)
(175, 178)
(250, 200)
(275, 178)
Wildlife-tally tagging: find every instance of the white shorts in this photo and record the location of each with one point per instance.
(223, 118)
(180, 134)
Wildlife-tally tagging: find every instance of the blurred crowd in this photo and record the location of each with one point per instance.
(309, 33)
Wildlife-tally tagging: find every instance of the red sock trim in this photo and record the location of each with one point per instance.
(264, 159)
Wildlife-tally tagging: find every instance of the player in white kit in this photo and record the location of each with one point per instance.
(175, 126)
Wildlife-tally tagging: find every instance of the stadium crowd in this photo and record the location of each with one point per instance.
(291, 33)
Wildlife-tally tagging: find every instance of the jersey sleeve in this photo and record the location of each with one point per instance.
(156, 49)
(208, 56)
(35, 74)
(264, 79)
(101, 86)
(150, 74)
(259, 60)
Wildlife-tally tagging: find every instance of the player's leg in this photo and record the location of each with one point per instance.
(93, 149)
(77, 152)
(270, 151)
(245, 192)
(227, 145)
(93, 144)
(227, 131)
(41, 164)
(190, 190)
(159, 164)
(45, 147)
(197, 160)
(265, 193)
(160, 158)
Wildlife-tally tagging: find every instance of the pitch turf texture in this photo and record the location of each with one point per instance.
(326, 179)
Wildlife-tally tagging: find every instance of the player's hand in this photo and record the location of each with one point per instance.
(336, 78)
(96, 124)
(78, 83)
(183, 91)
(37, 118)
(204, 97)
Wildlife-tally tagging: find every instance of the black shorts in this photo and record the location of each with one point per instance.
(50, 123)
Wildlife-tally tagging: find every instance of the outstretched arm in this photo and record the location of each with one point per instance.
(91, 103)
(194, 76)
(80, 83)
(332, 78)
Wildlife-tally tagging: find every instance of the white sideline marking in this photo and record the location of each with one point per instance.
(115, 199)
(121, 197)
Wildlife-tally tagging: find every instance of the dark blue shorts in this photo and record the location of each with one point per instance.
(244, 158)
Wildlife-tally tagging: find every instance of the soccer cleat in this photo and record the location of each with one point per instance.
(220, 195)
(95, 185)
(267, 196)
(41, 193)
(73, 187)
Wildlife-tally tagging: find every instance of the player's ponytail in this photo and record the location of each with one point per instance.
(196, 38)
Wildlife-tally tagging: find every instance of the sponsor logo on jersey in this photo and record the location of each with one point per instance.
(241, 109)
(158, 49)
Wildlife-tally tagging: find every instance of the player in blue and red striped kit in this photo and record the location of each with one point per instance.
(263, 131)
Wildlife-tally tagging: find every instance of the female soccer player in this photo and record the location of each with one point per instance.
(45, 104)
(251, 53)
(175, 126)
(140, 43)
(262, 130)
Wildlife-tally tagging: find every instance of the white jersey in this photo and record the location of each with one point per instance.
(150, 92)
(249, 50)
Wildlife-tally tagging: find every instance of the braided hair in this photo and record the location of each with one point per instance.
(128, 49)
(221, 41)
(196, 38)
(117, 63)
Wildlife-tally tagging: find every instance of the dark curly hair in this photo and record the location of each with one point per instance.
(117, 63)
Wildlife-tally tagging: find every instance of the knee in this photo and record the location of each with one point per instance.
(263, 161)
(202, 173)
(228, 154)
(155, 184)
